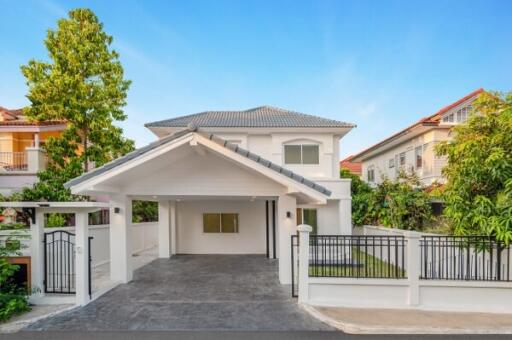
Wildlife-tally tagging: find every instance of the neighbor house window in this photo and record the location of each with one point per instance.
(220, 223)
(301, 154)
(371, 174)
(391, 163)
(419, 157)
(402, 159)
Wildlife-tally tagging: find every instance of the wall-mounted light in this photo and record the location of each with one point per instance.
(117, 210)
(289, 214)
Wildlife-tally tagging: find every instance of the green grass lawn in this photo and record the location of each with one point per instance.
(369, 267)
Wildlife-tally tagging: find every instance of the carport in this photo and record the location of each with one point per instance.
(194, 176)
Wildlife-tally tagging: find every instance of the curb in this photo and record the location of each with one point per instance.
(352, 328)
(15, 326)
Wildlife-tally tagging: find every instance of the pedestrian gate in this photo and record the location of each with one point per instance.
(59, 262)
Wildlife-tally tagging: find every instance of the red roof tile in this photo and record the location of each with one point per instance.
(353, 167)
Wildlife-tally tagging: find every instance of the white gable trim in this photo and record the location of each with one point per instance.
(91, 185)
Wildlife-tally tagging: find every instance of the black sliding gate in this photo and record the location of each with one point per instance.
(59, 262)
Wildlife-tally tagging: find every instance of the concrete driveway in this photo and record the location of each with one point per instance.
(193, 292)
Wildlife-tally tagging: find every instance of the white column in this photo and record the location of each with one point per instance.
(285, 229)
(35, 160)
(304, 231)
(413, 267)
(82, 258)
(36, 140)
(173, 222)
(164, 230)
(37, 253)
(345, 211)
(120, 239)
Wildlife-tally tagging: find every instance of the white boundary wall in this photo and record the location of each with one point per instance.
(410, 293)
(145, 236)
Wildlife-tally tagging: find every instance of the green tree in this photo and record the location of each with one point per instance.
(400, 204)
(144, 211)
(361, 193)
(478, 192)
(82, 84)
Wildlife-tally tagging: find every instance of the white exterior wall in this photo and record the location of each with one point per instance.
(250, 238)
(271, 147)
(432, 165)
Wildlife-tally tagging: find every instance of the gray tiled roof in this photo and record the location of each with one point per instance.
(263, 116)
(192, 128)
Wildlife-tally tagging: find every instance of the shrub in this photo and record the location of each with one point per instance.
(55, 220)
(401, 204)
(13, 299)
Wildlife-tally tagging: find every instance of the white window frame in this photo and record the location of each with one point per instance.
(301, 154)
(418, 151)
(370, 170)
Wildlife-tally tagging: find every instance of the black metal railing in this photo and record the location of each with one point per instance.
(357, 256)
(476, 258)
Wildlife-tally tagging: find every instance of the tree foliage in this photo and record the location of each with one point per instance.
(144, 211)
(478, 192)
(13, 299)
(82, 84)
(401, 204)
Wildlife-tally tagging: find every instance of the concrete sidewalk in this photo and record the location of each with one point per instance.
(399, 321)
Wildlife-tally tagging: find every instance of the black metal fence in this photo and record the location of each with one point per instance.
(476, 258)
(357, 256)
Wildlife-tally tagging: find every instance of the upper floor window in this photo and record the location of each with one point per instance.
(402, 159)
(419, 157)
(459, 116)
(301, 154)
(370, 174)
(392, 163)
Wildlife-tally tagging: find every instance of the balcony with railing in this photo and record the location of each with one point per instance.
(29, 161)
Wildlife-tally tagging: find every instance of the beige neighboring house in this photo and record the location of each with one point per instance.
(413, 148)
(21, 155)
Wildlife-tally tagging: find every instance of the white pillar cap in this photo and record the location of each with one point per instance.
(304, 228)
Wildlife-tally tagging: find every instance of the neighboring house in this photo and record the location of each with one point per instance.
(353, 167)
(228, 182)
(21, 156)
(413, 148)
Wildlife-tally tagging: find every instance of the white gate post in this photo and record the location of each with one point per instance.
(82, 258)
(413, 267)
(303, 269)
(37, 253)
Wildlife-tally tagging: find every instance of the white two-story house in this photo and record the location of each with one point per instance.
(229, 182)
(413, 149)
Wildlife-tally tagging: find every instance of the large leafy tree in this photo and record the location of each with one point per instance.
(82, 84)
(478, 193)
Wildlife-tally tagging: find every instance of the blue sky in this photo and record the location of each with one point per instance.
(379, 64)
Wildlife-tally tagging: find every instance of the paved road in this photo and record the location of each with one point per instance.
(194, 292)
(225, 336)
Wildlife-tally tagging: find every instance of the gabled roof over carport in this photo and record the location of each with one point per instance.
(88, 181)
